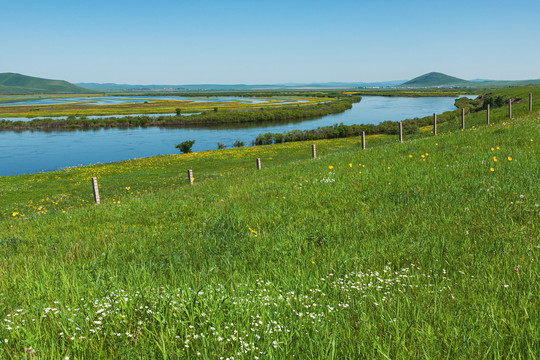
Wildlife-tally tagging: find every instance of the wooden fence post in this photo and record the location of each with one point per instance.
(400, 131)
(434, 124)
(190, 176)
(96, 190)
(510, 108)
(363, 140)
(530, 102)
(463, 119)
(313, 151)
(488, 114)
(258, 164)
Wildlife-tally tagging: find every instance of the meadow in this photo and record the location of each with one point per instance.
(422, 249)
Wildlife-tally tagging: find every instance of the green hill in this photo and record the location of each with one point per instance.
(433, 79)
(17, 84)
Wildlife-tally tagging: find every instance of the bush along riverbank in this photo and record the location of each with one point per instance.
(285, 113)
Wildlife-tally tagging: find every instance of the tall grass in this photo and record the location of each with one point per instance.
(426, 249)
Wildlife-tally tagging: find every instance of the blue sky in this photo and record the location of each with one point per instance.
(264, 42)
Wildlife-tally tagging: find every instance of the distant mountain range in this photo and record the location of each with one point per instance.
(235, 87)
(17, 84)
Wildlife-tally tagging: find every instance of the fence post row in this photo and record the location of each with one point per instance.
(488, 114)
(96, 190)
(434, 124)
(400, 131)
(510, 108)
(313, 151)
(258, 164)
(463, 118)
(363, 140)
(190, 176)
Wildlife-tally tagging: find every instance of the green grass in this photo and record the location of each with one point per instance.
(413, 250)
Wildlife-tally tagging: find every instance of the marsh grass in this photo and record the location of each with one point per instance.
(86, 108)
(413, 250)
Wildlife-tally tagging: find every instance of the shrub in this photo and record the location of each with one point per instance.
(238, 143)
(221, 146)
(185, 147)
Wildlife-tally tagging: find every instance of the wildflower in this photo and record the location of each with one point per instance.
(492, 149)
(15, 213)
(128, 187)
(350, 164)
(410, 155)
(495, 159)
(423, 155)
(330, 167)
(492, 169)
(509, 158)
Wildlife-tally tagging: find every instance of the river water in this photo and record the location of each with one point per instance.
(35, 151)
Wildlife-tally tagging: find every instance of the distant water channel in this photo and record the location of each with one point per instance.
(35, 151)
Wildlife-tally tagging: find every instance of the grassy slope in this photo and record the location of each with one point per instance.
(433, 255)
(11, 83)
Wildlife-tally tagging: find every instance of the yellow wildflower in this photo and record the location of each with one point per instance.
(509, 158)
(492, 169)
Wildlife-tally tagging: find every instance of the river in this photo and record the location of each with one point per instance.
(35, 151)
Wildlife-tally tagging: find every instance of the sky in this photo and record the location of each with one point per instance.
(268, 42)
